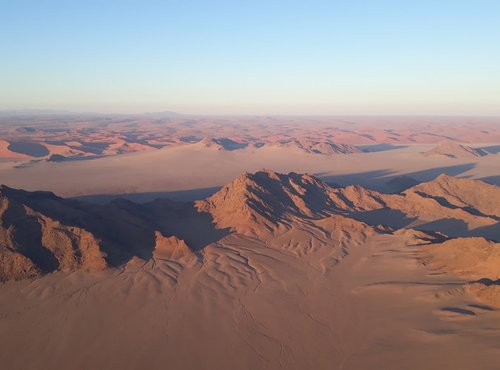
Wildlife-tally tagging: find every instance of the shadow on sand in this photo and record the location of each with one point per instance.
(493, 149)
(383, 180)
(494, 180)
(178, 196)
(127, 229)
(379, 147)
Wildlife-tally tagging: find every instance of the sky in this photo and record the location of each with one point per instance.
(360, 57)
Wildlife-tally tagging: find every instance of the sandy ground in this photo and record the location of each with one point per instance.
(192, 172)
(251, 306)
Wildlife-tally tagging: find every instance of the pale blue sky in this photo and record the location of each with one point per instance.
(252, 57)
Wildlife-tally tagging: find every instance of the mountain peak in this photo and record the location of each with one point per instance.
(265, 197)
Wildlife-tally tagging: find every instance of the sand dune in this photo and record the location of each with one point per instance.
(5, 151)
(40, 136)
(182, 170)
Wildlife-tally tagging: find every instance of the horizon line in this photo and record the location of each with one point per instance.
(35, 111)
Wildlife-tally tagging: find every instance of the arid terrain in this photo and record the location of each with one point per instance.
(187, 242)
(189, 157)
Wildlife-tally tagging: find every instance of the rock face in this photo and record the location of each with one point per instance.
(455, 150)
(463, 193)
(298, 213)
(263, 199)
(475, 259)
(425, 208)
(15, 266)
(269, 200)
(171, 248)
(35, 243)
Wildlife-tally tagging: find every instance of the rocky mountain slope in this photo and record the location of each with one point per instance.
(301, 214)
(461, 193)
(32, 242)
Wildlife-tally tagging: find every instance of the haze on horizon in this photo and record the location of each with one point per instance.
(259, 57)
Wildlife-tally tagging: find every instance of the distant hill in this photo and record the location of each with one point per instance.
(455, 150)
(319, 147)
